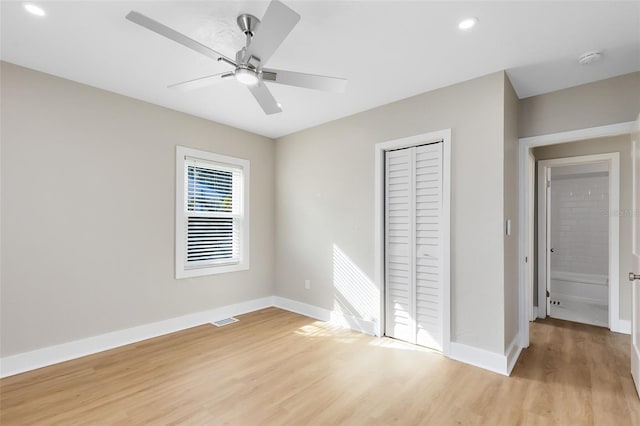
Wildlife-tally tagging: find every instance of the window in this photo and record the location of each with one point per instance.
(212, 224)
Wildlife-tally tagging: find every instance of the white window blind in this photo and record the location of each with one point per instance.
(213, 202)
(212, 228)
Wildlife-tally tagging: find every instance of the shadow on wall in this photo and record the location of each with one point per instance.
(355, 293)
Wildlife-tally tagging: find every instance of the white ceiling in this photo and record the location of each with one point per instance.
(389, 50)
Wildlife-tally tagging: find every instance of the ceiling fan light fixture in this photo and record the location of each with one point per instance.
(246, 76)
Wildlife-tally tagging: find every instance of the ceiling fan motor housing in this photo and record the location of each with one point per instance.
(244, 58)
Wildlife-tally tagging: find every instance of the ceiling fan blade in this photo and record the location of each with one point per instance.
(276, 24)
(309, 81)
(172, 34)
(265, 98)
(200, 82)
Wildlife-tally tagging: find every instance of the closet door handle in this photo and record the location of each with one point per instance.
(553, 250)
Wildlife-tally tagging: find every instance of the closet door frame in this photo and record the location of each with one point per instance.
(443, 136)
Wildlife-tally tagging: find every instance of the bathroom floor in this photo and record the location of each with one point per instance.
(585, 312)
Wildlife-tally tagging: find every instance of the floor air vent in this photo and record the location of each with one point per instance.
(225, 321)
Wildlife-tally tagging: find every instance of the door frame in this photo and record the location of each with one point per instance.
(528, 261)
(612, 160)
(524, 148)
(635, 255)
(443, 136)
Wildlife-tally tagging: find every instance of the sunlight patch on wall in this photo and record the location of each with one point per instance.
(356, 295)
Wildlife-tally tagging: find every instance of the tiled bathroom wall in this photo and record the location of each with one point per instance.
(579, 225)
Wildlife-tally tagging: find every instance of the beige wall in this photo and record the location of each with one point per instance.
(615, 100)
(325, 205)
(88, 231)
(511, 199)
(621, 144)
(88, 201)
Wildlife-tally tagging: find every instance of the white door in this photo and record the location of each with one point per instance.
(414, 245)
(635, 261)
(399, 231)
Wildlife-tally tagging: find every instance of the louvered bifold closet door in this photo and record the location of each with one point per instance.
(413, 245)
(428, 245)
(399, 273)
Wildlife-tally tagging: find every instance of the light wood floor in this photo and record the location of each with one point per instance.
(276, 367)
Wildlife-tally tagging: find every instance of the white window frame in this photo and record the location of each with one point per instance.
(183, 270)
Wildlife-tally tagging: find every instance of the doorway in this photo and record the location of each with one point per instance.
(616, 134)
(577, 247)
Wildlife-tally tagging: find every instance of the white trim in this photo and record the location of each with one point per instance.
(26, 361)
(613, 162)
(530, 250)
(479, 357)
(543, 196)
(337, 318)
(446, 222)
(499, 363)
(380, 148)
(513, 353)
(492, 361)
(181, 271)
(353, 323)
(578, 135)
(302, 308)
(50, 355)
(623, 326)
(525, 145)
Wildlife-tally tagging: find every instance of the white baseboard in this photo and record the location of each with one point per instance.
(39, 358)
(499, 363)
(322, 314)
(301, 308)
(513, 353)
(488, 360)
(492, 361)
(19, 363)
(356, 324)
(27, 361)
(621, 326)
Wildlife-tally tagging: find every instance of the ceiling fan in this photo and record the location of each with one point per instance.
(276, 24)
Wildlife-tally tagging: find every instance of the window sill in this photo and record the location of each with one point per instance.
(211, 270)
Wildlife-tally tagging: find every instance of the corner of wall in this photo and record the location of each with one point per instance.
(510, 212)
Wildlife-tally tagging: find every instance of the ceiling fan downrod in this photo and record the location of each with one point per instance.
(248, 24)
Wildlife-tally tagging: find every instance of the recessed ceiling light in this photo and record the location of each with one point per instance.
(34, 10)
(467, 24)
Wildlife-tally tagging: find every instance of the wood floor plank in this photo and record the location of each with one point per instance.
(277, 367)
